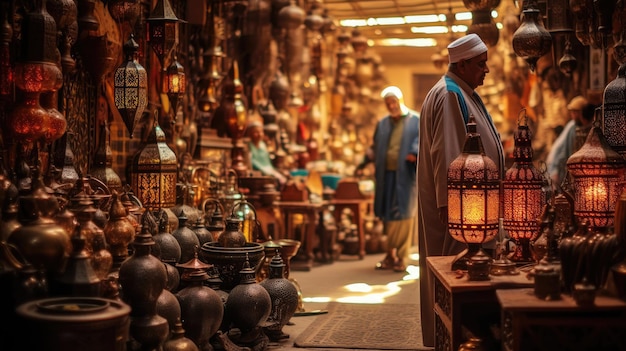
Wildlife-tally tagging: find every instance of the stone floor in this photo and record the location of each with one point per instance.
(348, 280)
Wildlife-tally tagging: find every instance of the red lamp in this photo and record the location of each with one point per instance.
(523, 195)
(473, 197)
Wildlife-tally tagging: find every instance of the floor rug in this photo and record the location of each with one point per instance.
(365, 326)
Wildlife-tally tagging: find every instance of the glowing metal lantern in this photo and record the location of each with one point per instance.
(162, 31)
(155, 171)
(523, 196)
(614, 112)
(131, 87)
(473, 197)
(174, 83)
(245, 211)
(598, 173)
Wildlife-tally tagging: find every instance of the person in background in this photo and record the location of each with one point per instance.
(394, 154)
(581, 113)
(443, 119)
(259, 155)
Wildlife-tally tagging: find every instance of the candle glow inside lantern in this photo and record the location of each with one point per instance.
(473, 197)
(598, 173)
(523, 196)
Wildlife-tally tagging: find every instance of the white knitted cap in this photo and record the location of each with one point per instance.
(465, 48)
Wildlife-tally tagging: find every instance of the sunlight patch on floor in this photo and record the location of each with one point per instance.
(369, 294)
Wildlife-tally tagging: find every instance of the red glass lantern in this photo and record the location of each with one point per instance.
(473, 197)
(523, 195)
(598, 173)
(162, 30)
(131, 87)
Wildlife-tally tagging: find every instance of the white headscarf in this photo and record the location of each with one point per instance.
(397, 93)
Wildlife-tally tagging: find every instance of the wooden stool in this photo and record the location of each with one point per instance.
(310, 212)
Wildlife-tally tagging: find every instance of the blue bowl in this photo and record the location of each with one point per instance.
(331, 180)
(299, 173)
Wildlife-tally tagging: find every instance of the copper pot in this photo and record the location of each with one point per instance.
(70, 323)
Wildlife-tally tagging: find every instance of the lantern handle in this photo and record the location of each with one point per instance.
(242, 202)
(522, 117)
(215, 202)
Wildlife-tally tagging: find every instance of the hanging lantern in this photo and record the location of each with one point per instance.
(568, 63)
(124, 10)
(580, 10)
(154, 171)
(174, 83)
(484, 26)
(523, 195)
(531, 40)
(473, 197)
(131, 87)
(291, 17)
(558, 17)
(481, 4)
(162, 30)
(598, 173)
(614, 112)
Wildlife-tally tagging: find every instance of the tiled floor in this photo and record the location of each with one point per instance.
(349, 280)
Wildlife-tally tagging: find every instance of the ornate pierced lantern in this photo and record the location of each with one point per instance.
(473, 197)
(614, 112)
(162, 30)
(174, 83)
(131, 87)
(155, 171)
(531, 40)
(598, 173)
(523, 196)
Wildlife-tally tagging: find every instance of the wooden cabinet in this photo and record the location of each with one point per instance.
(463, 305)
(531, 324)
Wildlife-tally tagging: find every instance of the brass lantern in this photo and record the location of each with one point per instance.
(174, 83)
(245, 211)
(531, 40)
(162, 30)
(154, 171)
(598, 173)
(614, 112)
(131, 87)
(523, 195)
(473, 197)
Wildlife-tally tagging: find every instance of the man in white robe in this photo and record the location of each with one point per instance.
(444, 116)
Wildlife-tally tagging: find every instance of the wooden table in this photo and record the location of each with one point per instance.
(310, 211)
(463, 304)
(531, 324)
